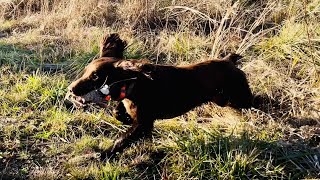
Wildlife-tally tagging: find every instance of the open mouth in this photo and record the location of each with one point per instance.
(93, 97)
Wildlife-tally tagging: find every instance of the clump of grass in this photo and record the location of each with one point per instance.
(35, 91)
(291, 65)
(109, 171)
(291, 48)
(94, 171)
(210, 154)
(84, 143)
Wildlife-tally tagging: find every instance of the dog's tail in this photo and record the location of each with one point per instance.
(233, 57)
(112, 46)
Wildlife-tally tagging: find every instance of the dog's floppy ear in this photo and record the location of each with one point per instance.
(142, 66)
(112, 46)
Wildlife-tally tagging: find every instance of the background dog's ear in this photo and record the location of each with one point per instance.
(112, 46)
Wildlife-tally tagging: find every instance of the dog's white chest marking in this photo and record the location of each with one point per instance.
(105, 90)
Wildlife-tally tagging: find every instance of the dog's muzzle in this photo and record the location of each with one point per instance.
(95, 96)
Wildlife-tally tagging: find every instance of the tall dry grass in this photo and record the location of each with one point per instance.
(187, 30)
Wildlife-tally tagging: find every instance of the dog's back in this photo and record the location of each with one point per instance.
(171, 91)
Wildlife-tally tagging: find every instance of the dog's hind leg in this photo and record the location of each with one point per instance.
(221, 100)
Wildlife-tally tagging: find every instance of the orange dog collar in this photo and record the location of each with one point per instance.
(122, 93)
(121, 96)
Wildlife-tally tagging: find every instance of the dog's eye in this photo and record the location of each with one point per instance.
(94, 77)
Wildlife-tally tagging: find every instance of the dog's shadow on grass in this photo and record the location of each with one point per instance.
(270, 106)
(239, 157)
(15, 163)
(280, 111)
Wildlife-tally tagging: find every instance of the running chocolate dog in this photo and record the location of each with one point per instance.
(149, 91)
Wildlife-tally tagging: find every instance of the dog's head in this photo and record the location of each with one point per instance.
(118, 75)
(110, 69)
(95, 75)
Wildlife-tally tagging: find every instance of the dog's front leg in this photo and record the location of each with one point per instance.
(133, 134)
(120, 113)
(142, 126)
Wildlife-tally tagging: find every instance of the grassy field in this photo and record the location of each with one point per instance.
(44, 44)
